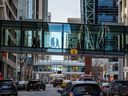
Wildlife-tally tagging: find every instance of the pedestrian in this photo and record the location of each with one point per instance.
(78, 44)
(38, 41)
(1, 76)
(33, 41)
(9, 40)
(52, 42)
(57, 43)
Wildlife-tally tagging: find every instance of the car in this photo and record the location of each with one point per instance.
(36, 85)
(41, 85)
(118, 88)
(21, 85)
(81, 88)
(105, 87)
(57, 82)
(64, 83)
(86, 77)
(32, 85)
(8, 87)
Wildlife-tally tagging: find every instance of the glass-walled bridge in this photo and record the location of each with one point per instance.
(60, 38)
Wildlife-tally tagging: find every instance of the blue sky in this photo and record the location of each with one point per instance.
(63, 9)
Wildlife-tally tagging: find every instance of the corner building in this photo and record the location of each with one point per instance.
(8, 11)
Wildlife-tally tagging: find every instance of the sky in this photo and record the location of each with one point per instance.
(63, 9)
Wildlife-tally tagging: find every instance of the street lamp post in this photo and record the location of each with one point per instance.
(16, 68)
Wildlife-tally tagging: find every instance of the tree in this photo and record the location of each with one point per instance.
(21, 60)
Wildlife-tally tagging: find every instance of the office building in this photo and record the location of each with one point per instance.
(123, 18)
(98, 11)
(8, 11)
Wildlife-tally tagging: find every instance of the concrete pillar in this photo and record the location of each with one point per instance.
(119, 12)
(88, 65)
(121, 68)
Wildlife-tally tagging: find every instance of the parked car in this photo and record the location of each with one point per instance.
(35, 85)
(118, 88)
(57, 82)
(8, 87)
(21, 85)
(81, 88)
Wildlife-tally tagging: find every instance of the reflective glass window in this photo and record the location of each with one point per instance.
(32, 34)
(10, 33)
(52, 36)
(114, 39)
(73, 36)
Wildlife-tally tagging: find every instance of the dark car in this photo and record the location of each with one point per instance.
(35, 85)
(57, 82)
(21, 85)
(81, 88)
(8, 87)
(86, 77)
(41, 85)
(118, 88)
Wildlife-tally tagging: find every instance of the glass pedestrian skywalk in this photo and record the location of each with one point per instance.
(60, 38)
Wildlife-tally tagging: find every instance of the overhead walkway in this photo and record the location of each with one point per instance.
(61, 38)
(52, 66)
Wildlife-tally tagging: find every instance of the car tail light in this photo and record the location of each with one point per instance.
(70, 94)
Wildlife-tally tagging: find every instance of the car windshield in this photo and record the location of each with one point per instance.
(6, 81)
(86, 89)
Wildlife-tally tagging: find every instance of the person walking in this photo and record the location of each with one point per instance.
(38, 41)
(52, 42)
(33, 42)
(57, 43)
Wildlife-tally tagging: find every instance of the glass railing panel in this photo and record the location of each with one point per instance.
(93, 37)
(72, 37)
(114, 38)
(52, 37)
(32, 34)
(10, 33)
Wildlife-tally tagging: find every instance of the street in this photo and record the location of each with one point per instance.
(50, 91)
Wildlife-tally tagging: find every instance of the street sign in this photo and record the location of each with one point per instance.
(74, 51)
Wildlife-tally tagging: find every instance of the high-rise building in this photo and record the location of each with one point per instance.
(123, 11)
(98, 11)
(40, 9)
(22, 11)
(8, 11)
(123, 18)
(33, 9)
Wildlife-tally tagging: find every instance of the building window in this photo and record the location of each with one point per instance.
(115, 67)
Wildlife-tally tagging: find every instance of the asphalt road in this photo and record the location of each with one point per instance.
(50, 91)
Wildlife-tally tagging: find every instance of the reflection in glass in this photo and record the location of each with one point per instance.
(10, 36)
